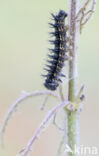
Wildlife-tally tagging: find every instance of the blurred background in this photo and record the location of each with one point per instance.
(23, 48)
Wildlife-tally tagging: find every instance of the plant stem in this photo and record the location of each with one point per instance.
(72, 116)
(74, 34)
(73, 129)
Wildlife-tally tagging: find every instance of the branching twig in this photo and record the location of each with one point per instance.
(90, 12)
(83, 8)
(84, 16)
(27, 149)
(23, 97)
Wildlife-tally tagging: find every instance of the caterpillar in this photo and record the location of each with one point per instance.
(58, 54)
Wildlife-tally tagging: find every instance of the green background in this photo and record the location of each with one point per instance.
(23, 48)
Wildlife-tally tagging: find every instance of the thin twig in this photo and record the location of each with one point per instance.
(60, 146)
(23, 97)
(92, 10)
(59, 151)
(44, 102)
(83, 8)
(25, 151)
(84, 16)
(61, 92)
(57, 126)
(62, 99)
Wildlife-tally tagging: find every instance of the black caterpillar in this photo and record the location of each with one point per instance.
(58, 54)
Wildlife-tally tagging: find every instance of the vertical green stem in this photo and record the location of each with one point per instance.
(72, 119)
(74, 34)
(72, 116)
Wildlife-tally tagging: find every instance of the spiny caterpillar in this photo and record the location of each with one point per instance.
(58, 54)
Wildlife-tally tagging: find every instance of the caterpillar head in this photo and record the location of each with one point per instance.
(62, 14)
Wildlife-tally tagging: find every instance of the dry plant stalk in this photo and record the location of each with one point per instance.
(24, 96)
(77, 19)
(74, 25)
